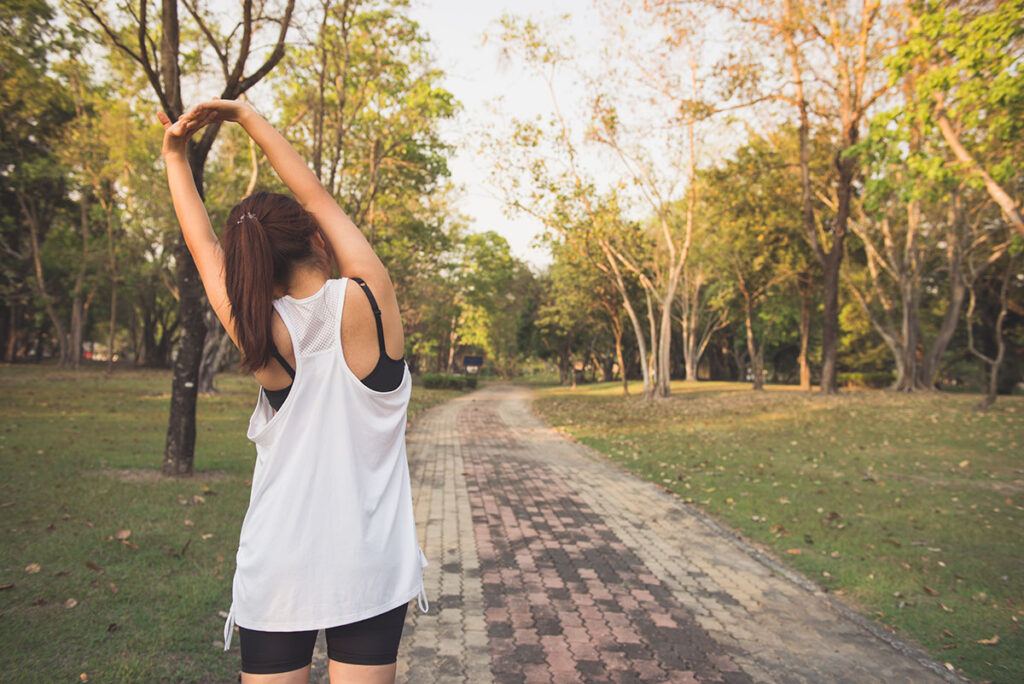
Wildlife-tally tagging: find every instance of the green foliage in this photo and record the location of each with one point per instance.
(965, 60)
(449, 381)
(867, 380)
(754, 244)
(495, 295)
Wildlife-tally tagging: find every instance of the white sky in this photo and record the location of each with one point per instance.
(476, 74)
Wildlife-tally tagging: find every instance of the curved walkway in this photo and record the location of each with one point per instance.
(549, 564)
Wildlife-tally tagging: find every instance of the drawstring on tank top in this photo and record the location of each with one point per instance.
(229, 627)
(421, 598)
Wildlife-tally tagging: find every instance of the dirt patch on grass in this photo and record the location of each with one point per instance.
(150, 475)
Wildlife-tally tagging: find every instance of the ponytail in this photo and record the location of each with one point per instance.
(266, 235)
(251, 293)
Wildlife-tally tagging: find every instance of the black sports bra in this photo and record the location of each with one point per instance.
(386, 375)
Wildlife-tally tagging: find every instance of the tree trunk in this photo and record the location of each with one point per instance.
(652, 355)
(756, 364)
(453, 337)
(618, 331)
(910, 338)
(929, 369)
(179, 452)
(805, 334)
(665, 337)
(58, 325)
(563, 366)
(77, 310)
(114, 279)
(213, 352)
(12, 333)
(830, 324)
(77, 325)
(830, 270)
(113, 321)
(638, 331)
(993, 363)
(689, 300)
(740, 358)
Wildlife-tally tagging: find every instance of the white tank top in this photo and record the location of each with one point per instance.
(329, 537)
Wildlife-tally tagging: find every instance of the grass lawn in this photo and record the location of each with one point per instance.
(80, 456)
(910, 507)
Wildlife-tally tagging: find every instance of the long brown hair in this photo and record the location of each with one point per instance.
(267, 235)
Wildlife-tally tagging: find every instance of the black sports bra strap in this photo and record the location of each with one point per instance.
(376, 314)
(280, 359)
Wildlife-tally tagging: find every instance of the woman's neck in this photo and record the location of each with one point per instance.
(305, 282)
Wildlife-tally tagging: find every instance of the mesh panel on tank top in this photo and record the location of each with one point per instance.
(317, 321)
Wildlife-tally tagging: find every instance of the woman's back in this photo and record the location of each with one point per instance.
(329, 537)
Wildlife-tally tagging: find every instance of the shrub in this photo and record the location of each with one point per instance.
(873, 380)
(446, 381)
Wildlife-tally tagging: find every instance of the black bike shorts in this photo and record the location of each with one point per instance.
(373, 641)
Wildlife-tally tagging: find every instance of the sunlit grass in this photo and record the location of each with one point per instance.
(80, 455)
(908, 506)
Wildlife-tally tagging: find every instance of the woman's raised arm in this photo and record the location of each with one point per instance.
(202, 242)
(352, 251)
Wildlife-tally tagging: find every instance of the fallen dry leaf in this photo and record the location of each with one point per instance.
(122, 534)
(990, 642)
(84, 677)
(92, 566)
(189, 523)
(6, 586)
(928, 590)
(134, 547)
(70, 603)
(794, 552)
(112, 627)
(964, 463)
(207, 535)
(113, 587)
(945, 608)
(32, 568)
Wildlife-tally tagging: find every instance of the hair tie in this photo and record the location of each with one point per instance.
(246, 215)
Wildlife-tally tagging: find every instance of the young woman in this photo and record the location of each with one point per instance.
(329, 540)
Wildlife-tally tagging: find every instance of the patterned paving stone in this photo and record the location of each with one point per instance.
(549, 564)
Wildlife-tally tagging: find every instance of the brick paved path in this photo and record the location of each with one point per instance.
(551, 565)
